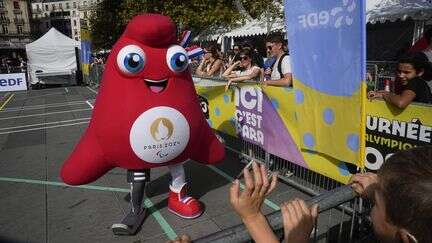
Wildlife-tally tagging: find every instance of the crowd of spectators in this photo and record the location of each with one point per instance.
(243, 63)
(12, 65)
(98, 59)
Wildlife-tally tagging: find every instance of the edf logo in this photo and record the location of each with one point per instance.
(10, 82)
(13, 82)
(339, 16)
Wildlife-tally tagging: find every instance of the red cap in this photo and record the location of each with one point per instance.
(153, 30)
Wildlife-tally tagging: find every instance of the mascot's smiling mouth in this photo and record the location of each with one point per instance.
(156, 86)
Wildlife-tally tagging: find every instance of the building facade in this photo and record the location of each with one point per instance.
(67, 16)
(14, 28)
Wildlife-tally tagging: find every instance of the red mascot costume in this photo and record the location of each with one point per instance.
(146, 115)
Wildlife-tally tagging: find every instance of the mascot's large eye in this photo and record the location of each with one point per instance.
(177, 59)
(131, 59)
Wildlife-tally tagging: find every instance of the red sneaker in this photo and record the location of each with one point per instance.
(182, 205)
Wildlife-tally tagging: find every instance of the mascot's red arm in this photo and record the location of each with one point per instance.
(88, 159)
(210, 150)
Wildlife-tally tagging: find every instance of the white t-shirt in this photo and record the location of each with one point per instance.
(286, 68)
(428, 54)
(248, 72)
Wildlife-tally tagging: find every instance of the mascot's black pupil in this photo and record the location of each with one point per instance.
(179, 62)
(132, 63)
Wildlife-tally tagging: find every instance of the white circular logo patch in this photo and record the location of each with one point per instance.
(159, 135)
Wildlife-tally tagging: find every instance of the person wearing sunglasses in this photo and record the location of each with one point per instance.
(235, 55)
(211, 65)
(280, 71)
(249, 71)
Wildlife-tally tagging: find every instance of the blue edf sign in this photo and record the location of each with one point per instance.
(13, 82)
(10, 82)
(328, 40)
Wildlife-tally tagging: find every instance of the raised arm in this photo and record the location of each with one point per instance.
(247, 203)
(227, 72)
(217, 65)
(199, 71)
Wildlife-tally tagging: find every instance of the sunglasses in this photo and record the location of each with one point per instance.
(244, 57)
(236, 49)
(269, 48)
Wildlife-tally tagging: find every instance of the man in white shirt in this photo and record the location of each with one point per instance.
(281, 70)
(428, 50)
(428, 53)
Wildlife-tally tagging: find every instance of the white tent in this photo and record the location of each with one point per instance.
(392, 10)
(52, 54)
(256, 27)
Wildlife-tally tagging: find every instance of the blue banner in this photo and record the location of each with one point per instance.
(86, 52)
(326, 40)
(326, 43)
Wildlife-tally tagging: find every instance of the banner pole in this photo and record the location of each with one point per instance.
(363, 91)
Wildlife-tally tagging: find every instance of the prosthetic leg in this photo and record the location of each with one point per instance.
(131, 222)
(178, 202)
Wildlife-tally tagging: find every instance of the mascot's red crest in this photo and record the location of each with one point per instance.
(147, 112)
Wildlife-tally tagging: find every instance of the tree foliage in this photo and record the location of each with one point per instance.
(106, 25)
(111, 16)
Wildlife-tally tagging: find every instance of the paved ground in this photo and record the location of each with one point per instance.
(38, 130)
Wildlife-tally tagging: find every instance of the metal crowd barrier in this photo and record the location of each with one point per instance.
(95, 74)
(380, 71)
(304, 179)
(325, 202)
(337, 221)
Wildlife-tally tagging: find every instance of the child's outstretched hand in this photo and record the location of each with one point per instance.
(364, 184)
(298, 220)
(248, 202)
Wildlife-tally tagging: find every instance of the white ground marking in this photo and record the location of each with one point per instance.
(36, 107)
(38, 96)
(92, 90)
(43, 124)
(90, 104)
(43, 114)
(42, 128)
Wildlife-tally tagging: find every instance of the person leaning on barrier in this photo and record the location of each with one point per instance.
(414, 88)
(280, 71)
(402, 196)
(234, 56)
(211, 65)
(256, 56)
(249, 71)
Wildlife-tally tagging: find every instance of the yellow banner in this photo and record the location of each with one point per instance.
(390, 129)
(221, 110)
